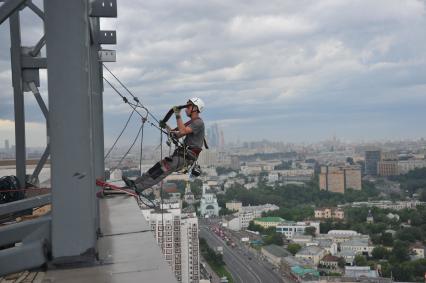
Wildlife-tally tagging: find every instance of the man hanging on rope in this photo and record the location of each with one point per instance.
(183, 156)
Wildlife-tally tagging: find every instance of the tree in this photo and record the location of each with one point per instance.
(360, 260)
(225, 211)
(400, 252)
(310, 231)
(341, 262)
(293, 248)
(410, 234)
(274, 239)
(380, 252)
(255, 227)
(387, 239)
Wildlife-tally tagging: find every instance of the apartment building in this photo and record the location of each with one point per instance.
(178, 240)
(291, 228)
(338, 179)
(329, 213)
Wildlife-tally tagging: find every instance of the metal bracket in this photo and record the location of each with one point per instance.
(107, 37)
(103, 8)
(106, 55)
(29, 74)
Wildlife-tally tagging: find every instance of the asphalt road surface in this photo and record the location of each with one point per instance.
(243, 265)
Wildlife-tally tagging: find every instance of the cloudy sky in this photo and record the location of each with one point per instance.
(280, 69)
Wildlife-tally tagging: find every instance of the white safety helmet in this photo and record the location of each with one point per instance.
(197, 102)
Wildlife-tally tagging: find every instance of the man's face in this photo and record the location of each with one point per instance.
(188, 109)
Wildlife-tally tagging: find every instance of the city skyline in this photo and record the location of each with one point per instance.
(285, 71)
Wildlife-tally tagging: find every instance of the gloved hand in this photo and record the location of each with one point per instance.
(162, 124)
(176, 110)
(173, 134)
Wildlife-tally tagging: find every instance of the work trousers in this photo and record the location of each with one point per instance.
(176, 162)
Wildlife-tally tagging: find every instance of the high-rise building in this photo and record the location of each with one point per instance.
(208, 158)
(338, 179)
(332, 179)
(213, 136)
(6, 145)
(235, 162)
(352, 177)
(372, 157)
(388, 164)
(178, 239)
(387, 168)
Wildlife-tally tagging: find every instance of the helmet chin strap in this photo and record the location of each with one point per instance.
(192, 111)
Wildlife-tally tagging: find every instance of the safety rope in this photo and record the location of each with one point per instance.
(162, 200)
(119, 136)
(130, 148)
(135, 106)
(136, 99)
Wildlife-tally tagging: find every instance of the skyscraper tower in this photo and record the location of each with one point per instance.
(372, 157)
(6, 145)
(213, 136)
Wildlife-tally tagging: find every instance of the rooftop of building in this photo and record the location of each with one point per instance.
(347, 253)
(360, 271)
(355, 242)
(277, 251)
(417, 245)
(269, 219)
(330, 258)
(310, 250)
(301, 271)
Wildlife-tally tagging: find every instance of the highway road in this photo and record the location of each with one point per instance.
(243, 265)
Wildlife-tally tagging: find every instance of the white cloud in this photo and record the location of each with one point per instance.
(246, 57)
(35, 133)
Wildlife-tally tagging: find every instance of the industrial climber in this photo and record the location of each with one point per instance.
(183, 156)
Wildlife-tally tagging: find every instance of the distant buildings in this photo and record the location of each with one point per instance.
(291, 228)
(274, 254)
(311, 254)
(372, 157)
(330, 261)
(248, 213)
(267, 222)
(235, 162)
(295, 175)
(329, 213)
(213, 136)
(417, 250)
(360, 272)
(208, 205)
(404, 166)
(370, 218)
(338, 179)
(245, 214)
(358, 246)
(189, 196)
(387, 204)
(6, 145)
(387, 168)
(178, 239)
(234, 205)
(386, 164)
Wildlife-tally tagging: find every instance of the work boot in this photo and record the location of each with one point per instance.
(129, 183)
